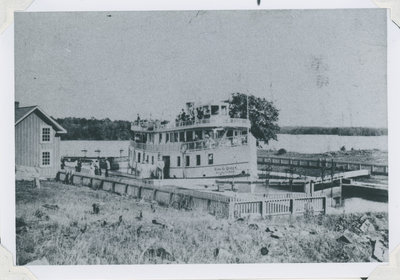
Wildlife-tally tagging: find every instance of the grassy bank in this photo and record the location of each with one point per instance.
(59, 225)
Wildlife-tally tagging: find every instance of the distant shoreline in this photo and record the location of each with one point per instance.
(340, 131)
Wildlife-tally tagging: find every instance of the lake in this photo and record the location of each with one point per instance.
(292, 143)
(326, 143)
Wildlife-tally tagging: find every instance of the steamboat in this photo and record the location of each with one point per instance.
(203, 142)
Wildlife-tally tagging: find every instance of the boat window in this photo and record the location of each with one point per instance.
(220, 133)
(189, 136)
(187, 163)
(182, 136)
(206, 112)
(210, 158)
(198, 160)
(172, 137)
(176, 136)
(166, 137)
(152, 159)
(147, 159)
(178, 161)
(138, 157)
(159, 137)
(229, 133)
(198, 135)
(214, 110)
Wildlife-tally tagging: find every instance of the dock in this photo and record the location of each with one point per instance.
(375, 169)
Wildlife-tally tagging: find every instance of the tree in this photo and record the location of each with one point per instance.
(262, 114)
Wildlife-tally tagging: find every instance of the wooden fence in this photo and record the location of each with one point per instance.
(217, 204)
(279, 206)
(378, 169)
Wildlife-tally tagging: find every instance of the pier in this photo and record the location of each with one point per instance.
(374, 169)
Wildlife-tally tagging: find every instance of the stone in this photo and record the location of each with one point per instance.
(379, 251)
(277, 235)
(347, 237)
(253, 226)
(367, 226)
(264, 251)
(268, 229)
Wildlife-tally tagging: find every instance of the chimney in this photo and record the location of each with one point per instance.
(16, 104)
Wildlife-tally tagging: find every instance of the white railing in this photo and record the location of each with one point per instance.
(194, 145)
(218, 121)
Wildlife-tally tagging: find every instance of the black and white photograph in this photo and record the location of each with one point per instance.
(201, 137)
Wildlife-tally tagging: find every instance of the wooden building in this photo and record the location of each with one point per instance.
(37, 140)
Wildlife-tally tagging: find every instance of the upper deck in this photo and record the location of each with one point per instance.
(191, 124)
(206, 115)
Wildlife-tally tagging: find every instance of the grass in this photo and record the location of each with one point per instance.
(57, 222)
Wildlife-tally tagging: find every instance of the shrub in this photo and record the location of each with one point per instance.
(343, 148)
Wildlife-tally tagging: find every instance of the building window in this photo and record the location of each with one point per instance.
(166, 137)
(46, 159)
(138, 157)
(187, 160)
(152, 159)
(198, 160)
(178, 161)
(159, 137)
(45, 134)
(210, 158)
(147, 159)
(182, 136)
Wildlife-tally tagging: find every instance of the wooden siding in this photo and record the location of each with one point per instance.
(28, 146)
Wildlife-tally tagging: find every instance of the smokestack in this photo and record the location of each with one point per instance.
(16, 104)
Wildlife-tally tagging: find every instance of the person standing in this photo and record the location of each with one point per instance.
(108, 166)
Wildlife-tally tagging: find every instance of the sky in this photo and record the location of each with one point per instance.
(319, 67)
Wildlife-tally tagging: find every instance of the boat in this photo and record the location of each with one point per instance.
(204, 141)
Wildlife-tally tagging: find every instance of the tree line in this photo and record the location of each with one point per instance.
(341, 131)
(95, 129)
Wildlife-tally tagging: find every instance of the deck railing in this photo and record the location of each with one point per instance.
(193, 145)
(215, 121)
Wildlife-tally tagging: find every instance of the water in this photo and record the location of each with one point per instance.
(292, 143)
(327, 143)
(107, 148)
(350, 203)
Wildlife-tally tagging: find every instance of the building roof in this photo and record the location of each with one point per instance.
(22, 112)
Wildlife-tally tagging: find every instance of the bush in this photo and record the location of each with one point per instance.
(343, 148)
(281, 152)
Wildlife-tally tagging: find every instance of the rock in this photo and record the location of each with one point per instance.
(51, 206)
(347, 237)
(367, 226)
(379, 251)
(216, 252)
(42, 261)
(277, 235)
(264, 251)
(96, 208)
(268, 229)
(224, 254)
(253, 226)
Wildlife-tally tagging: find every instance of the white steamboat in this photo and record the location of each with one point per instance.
(204, 142)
